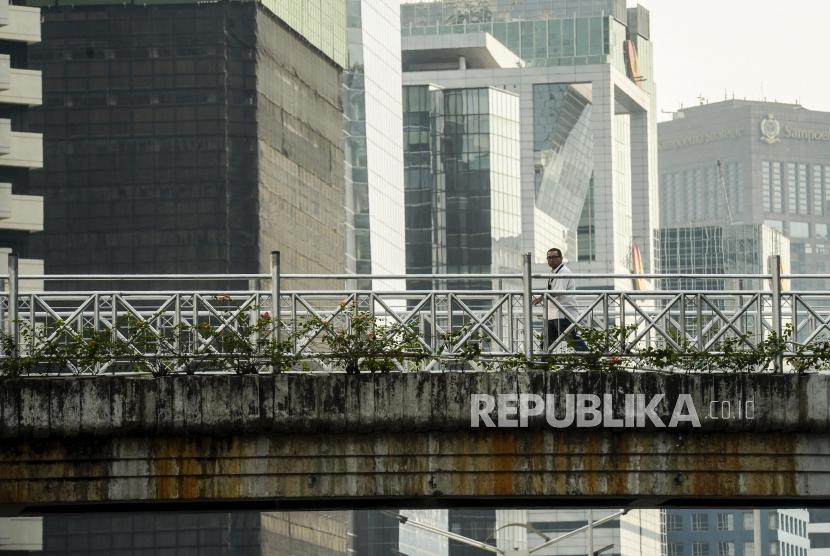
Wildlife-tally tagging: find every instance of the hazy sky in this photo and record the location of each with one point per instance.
(778, 49)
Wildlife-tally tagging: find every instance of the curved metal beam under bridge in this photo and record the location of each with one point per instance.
(398, 440)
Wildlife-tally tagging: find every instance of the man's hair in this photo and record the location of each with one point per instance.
(558, 251)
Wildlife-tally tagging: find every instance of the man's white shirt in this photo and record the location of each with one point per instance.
(561, 281)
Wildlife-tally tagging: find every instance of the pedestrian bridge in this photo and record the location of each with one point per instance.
(301, 440)
(451, 395)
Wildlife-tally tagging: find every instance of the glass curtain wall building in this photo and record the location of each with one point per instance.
(750, 162)
(374, 192)
(736, 249)
(461, 152)
(582, 72)
(543, 33)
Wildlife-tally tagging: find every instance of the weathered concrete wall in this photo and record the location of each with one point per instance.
(314, 403)
(305, 438)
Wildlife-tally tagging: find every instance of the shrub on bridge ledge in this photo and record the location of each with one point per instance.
(243, 342)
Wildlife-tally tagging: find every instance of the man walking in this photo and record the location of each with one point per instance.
(560, 319)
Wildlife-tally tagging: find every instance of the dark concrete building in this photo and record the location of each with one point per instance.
(191, 138)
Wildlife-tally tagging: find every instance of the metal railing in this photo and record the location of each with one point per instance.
(171, 329)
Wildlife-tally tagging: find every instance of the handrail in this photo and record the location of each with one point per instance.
(318, 276)
(262, 319)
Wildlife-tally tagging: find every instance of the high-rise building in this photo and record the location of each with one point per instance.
(373, 149)
(724, 532)
(582, 74)
(21, 151)
(461, 151)
(750, 162)
(191, 137)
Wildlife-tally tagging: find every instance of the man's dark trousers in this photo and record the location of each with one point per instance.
(555, 329)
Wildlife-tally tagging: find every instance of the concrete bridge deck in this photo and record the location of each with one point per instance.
(336, 440)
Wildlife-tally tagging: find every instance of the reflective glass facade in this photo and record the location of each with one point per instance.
(563, 150)
(738, 249)
(461, 153)
(374, 198)
(321, 22)
(456, 12)
(424, 182)
(543, 33)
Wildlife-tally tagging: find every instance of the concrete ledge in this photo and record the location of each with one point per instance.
(295, 440)
(289, 403)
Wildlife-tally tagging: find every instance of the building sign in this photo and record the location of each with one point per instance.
(592, 410)
(772, 132)
(770, 128)
(722, 134)
(582, 410)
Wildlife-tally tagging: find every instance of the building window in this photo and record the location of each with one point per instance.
(775, 225)
(772, 522)
(726, 522)
(726, 548)
(674, 522)
(674, 549)
(700, 522)
(748, 521)
(700, 549)
(819, 540)
(773, 548)
(776, 193)
(749, 548)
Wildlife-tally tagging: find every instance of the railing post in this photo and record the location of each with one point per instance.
(774, 263)
(498, 316)
(13, 302)
(275, 295)
(527, 284)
